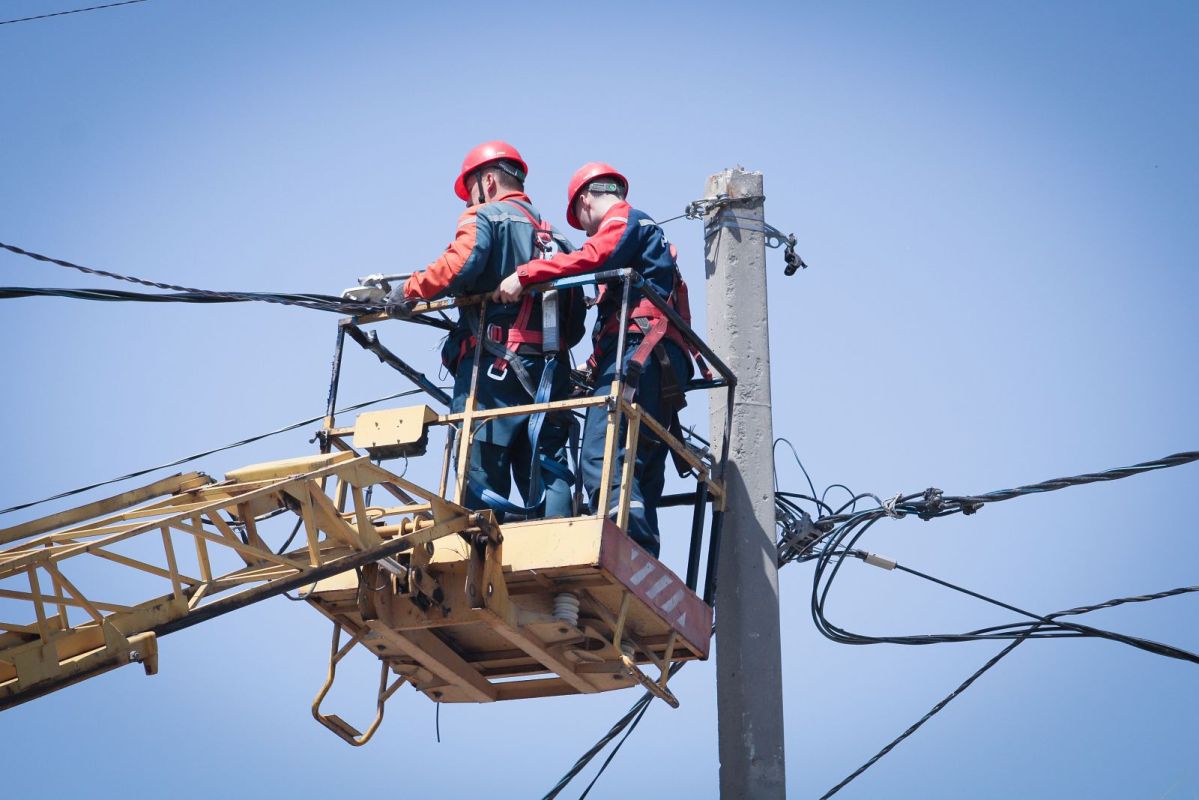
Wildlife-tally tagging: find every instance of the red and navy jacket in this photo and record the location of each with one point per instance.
(626, 237)
(491, 240)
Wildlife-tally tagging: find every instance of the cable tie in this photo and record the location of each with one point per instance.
(889, 507)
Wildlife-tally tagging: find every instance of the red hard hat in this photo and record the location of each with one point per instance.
(583, 176)
(486, 153)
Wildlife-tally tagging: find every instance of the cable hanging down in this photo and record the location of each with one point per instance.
(801, 537)
(835, 536)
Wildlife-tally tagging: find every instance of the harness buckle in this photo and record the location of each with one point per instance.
(498, 376)
(495, 332)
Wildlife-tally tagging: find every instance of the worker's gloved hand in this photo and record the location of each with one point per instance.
(397, 304)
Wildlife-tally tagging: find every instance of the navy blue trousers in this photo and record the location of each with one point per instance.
(649, 471)
(501, 451)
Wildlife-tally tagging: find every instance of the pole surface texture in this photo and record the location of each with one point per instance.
(749, 682)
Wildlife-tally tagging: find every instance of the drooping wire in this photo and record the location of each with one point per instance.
(1030, 632)
(615, 750)
(838, 536)
(72, 11)
(963, 686)
(631, 717)
(795, 455)
(802, 539)
(196, 456)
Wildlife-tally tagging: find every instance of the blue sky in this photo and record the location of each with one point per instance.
(997, 203)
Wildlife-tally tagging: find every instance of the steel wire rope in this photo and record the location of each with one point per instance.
(72, 11)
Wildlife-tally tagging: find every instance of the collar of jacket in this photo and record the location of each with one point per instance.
(513, 195)
(620, 210)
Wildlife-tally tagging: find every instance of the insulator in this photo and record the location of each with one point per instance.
(566, 608)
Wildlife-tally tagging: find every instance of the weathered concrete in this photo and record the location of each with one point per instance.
(748, 654)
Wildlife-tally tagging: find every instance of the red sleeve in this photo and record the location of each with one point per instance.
(590, 257)
(433, 279)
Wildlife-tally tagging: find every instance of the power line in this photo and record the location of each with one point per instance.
(318, 302)
(632, 717)
(802, 538)
(931, 713)
(933, 503)
(73, 11)
(1030, 633)
(197, 456)
(830, 539)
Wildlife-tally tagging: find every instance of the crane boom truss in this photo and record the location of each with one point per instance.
(199, 543)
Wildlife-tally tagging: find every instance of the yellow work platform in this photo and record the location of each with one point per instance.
(509, 644)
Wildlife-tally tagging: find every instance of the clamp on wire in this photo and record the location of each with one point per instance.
(374, 288)
(774, 238)
(698, 209)
(889, 507)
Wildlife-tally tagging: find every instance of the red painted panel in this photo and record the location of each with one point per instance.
(654, 584)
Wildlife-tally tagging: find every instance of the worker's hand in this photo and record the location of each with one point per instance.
(397, 304)
(509, 290)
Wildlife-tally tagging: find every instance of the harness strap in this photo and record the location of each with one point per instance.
(519, 332)
(542, 464)
(646, 310)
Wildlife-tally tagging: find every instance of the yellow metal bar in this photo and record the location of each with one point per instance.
(87, 606)
(106, 506)
(529, 408)
(630, 465)
(38, 604)
(172, 567)
(610, 438)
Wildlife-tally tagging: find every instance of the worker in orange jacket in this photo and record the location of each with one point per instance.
(499, 230)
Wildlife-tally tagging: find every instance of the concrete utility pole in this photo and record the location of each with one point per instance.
(749, 681)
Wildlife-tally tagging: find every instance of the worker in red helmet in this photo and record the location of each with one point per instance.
(656, 355)
(499, 230)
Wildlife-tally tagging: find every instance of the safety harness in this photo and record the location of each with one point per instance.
(655, 328)
(505, 347)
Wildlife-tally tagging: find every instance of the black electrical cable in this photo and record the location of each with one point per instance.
(829, 546)
(931, 713)
(585, 759)
(1030, 633)
(321, 302)
(615, 750)
(633, 716)
(313, 301)
(72, 11)
(197, 456)
(795, 455)
(291, 538)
